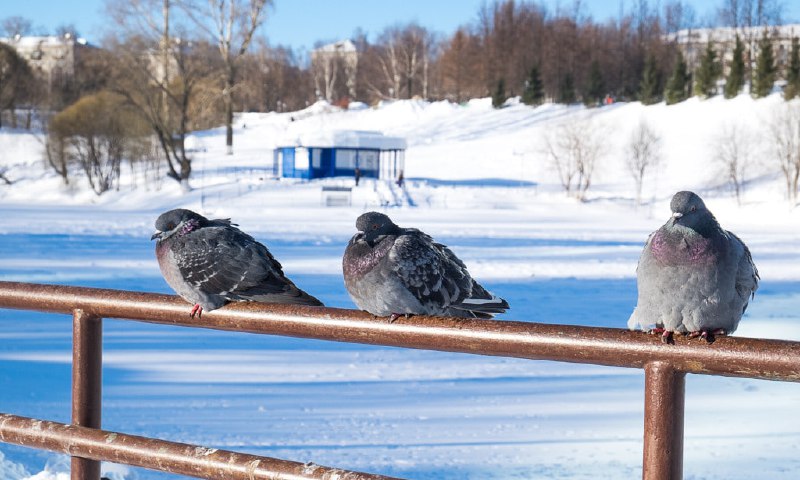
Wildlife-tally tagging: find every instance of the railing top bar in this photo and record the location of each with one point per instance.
(729, 356)
(162, 455)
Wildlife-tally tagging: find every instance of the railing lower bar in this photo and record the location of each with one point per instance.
(734, 356)
(87, 382)
(162, 455)
(664, 396)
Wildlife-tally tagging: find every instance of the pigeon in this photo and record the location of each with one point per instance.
(211, 262)
(393, 271)
(693, 277)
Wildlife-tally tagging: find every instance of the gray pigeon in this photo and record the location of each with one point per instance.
(211, 262)
(693, 277)
(389, 270)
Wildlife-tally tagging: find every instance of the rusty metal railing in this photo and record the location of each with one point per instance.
(665, 368)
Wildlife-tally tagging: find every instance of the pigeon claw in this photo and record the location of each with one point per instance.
(708, 335)
(666, 336)
(196, 310)
(393, 317)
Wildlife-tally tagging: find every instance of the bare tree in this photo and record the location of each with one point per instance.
(388, 59)
(231, 24)
(97, 134)
(13, 26)
(460, 68)
(55, 150)
(644, 154)
(750, 18)
(574, 149)
(678, 16)
(68, 30)
(326, 72)
(163, 92)
(273, 79)
(733, 152)
(785, 131)
(401, 60)
(143, 88)
(16, 82)
(334, 69)
(730, 14)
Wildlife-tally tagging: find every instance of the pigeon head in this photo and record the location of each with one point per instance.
(375, 225)
(688, 210)
(175, 221)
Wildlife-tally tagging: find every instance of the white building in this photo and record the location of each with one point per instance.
(51, 57)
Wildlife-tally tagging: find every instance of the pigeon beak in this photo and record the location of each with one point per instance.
(677, 215)
(370, 237)
(156, 235)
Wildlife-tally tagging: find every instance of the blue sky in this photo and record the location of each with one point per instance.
(300, 23)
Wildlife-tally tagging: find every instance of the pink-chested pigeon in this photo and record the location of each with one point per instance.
(392, 271)
(211, 262)
(693, 276)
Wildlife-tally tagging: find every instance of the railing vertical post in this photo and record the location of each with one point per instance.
(663, 422)
(87, 367)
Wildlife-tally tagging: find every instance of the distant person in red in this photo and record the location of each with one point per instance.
(400, 179)
(357, 175)
(608, 100)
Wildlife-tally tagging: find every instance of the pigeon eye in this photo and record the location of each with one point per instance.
(375, 227)
(693, 209)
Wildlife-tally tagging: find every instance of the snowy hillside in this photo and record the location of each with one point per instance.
(476, 179)
(464, 146)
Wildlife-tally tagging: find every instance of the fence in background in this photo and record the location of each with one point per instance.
(665, 368)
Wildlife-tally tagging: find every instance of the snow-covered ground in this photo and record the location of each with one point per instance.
(481, 185)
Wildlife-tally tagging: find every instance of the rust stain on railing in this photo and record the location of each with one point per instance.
(665, 365)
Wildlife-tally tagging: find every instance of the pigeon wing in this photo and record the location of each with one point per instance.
(746, 275)
(430, 271)
(476, 300)
(228, 262)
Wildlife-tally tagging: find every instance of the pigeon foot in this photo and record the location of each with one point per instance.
(393, 317)
(708, 335)
(666, 336)
(196, 310)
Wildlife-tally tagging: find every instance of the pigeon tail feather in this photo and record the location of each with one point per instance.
(491, 306)
(294, 296)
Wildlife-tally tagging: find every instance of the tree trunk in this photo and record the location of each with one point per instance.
(228, 100)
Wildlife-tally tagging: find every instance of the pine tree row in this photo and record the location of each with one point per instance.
(704, 81)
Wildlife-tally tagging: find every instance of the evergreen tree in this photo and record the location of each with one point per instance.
(534, 90)
(648, 88)
(597, 86)
(499, 95)
(678, 83)
(765, 69)
(793, 73)
(735, 80)
(707, 73)
(566, 92)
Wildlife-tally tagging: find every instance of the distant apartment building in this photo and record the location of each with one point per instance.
(692, 43)
(334, 67)
(51, 57)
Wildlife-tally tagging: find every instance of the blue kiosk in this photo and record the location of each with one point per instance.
(338, 153)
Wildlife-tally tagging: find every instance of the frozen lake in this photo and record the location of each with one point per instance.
(407, 413)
